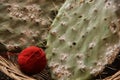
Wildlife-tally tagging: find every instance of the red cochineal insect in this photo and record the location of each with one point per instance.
(32, 60)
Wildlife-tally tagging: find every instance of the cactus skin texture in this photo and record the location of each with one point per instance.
(84, 37)
(24, 22)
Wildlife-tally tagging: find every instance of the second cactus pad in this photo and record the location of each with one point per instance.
(83, 38)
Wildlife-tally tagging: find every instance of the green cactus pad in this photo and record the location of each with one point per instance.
(25, 22)
(84, 37)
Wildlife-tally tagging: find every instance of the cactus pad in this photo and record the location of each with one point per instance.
(83, 38)
(24, 22)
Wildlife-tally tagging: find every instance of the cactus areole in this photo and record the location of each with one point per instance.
(32, 60)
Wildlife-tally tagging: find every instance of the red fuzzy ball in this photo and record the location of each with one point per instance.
(32, 60)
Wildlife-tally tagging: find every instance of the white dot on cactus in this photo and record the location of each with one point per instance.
(80, 56)
(62, 38)
(95, 70)
(61, 71)
(113, 27)
(54, 50)
(91, 45)
(74, 29)
(63, 24)
(109, 52)
(53, 32)
(81, 1)
(63, 57)
(67, 6)
(100, 63)
(81, 64)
